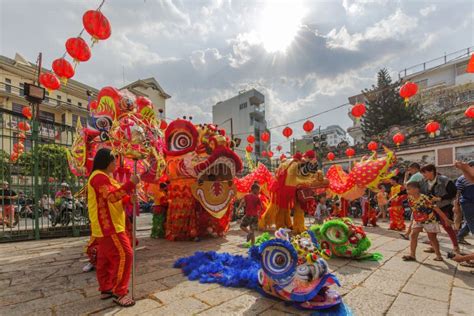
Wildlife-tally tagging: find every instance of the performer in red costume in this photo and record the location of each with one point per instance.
(396, 209)
(369, 215)
(344, 208)
(108, 225)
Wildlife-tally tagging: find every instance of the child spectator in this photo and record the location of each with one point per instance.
(321, 210)
(253, 207)
(382, 202)
(424, 219)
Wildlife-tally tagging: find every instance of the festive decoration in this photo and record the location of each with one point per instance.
(331, 156)
(63, 69)
(291, 269)
(282, 157)
(287, 132)
(470, 111)
(344, 239)
(295, 181)
(350, 152)
(27, 112)
(163, 125)
(97, 25)
(24, 126)
(366, 174)
(250, 139)
(470, 65)
(431, 128)
(308, 126)
(270, 154)
(408, 90)
(265, 137)
(249, 149)
(279, 148)
(398, 138)
(264, 153)
(358, 110)
(49, 81)
(372, 146)
(78, 49)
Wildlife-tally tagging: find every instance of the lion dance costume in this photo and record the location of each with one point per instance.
(396, 209)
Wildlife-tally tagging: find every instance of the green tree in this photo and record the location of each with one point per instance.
(385, 107)
(5, 166)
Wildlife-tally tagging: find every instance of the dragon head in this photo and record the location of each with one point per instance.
(202, 153)
(293, 269)
(301, 171)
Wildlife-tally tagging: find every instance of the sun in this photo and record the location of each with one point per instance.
(279, 24)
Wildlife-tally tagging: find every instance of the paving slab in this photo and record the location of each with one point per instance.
(246, 304)
(411, 305)
(462, 302)
(366, 301)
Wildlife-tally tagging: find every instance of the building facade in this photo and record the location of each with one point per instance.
(61, 109)
(333, 134)
(241, 116)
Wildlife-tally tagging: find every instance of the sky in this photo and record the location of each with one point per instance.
(304, 56)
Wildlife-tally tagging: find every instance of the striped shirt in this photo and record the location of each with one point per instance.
(466, 190)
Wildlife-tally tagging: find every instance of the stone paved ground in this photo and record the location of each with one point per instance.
(45, 278)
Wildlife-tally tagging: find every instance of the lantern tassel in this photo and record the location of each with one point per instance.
(406, 101)
(63, 80)
(432, 135)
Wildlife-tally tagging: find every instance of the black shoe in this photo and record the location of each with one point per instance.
(463, 242)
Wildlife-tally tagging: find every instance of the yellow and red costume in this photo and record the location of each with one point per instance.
(396, 209)
(108, 225)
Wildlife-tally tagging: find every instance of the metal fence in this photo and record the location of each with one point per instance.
(41, 208)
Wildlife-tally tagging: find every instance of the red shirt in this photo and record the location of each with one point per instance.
(253, 205)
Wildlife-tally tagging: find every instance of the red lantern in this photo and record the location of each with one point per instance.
(279, 148)
(270, 154)
(24, 126)
(432, 128)
(350, 152)
(22, 136)
(63, 69)
(470, 65)
(358, 110)
(49, 81)
(287, 132)
(27, 112)
(264, 153)
(265, 137)
(78, 49)
(373, 146)
(470, 111)
(250, 139)
(249, 148)
(50, 179)
(398, 138)
(408, 90)
(331, 156)
(308, 126)
(282, 157)
(97, 25)
(163, 125)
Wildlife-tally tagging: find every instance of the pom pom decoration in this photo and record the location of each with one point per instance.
(287, 132)
(308, 126)
(24, 126)
(358, 110)
(249, 149)
(250, 139)
(408, 90)
(350, 152)
(283, 157)
(78, 49)
(279, 148)
(264, 153)
(63, 69)
(265, 137)
(398, 138)
(372, 146)
(27, 112)
(97, 25)
(270, 154)
(49, 81)
(470, 65)
(470, 111)
(331, 156)
(163, 125)
(432, 128)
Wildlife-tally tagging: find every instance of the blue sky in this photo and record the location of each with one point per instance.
(305, 56)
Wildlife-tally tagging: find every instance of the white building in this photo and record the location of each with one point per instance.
(447, 71)
(241, 116)
(334, 134)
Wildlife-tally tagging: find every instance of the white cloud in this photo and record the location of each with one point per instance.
(392, 27)
(428, 10)
(359, 7)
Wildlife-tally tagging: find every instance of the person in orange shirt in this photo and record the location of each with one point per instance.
(108, 225)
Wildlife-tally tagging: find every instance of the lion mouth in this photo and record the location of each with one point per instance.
(215, 207)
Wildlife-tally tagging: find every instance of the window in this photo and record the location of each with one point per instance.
(22, 89)
(17, 108)
(83, 121)
(46, 98)
(59, 100)
(79, 103)
(8, 87)
(251, 120)
(69, 101)
(243, 106)
(63, 118)
(46, 116)
(74, 120)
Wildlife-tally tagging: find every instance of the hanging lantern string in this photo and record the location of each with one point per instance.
(83, 29)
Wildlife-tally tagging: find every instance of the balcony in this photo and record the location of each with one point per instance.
(257, 112)
(255, 97)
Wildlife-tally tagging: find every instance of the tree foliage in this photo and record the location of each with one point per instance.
(385, 107)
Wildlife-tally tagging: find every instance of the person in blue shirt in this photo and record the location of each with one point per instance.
(465, 199)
